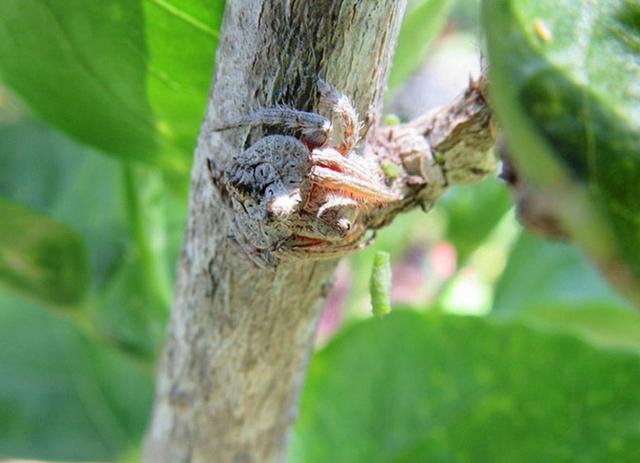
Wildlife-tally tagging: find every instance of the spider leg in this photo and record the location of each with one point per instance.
(348, 175)
(331, 158)
(312, 128)
(365, 190)
(333, 201)
(339, 104)
(327, 250)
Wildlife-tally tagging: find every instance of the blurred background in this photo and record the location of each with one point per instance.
(501, 346)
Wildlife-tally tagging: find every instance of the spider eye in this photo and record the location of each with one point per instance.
(253, 209)
(344, 224)
(270, 191)
(250, 207)
(290, 180)
(263, 172)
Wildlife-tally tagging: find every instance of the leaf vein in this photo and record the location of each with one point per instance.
(180, 14)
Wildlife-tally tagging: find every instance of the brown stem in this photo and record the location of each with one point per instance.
(449, 146)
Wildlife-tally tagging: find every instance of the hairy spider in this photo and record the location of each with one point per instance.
(300, 195)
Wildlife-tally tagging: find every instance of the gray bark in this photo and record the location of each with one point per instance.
(239, 338)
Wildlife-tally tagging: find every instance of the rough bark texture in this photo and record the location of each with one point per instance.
(449, 146)
(239, 337)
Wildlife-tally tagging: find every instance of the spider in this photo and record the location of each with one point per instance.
(300, 195)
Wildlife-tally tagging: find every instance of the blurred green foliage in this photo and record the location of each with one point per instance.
(472, 213)
(421, 24)
(91, 227)
(41, 257)
(63, 394)
(566, 79)
(568, 278)
(422, 387)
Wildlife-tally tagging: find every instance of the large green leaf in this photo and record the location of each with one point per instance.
(552, 286)
(64, 396)
(565, 80)
(603, 324)
(41, 257)
(540, 273)
(434, 388)
(423, 21)
(128, 77)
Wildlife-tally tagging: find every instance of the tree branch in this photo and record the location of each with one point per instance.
(240, 337)
(449, 146)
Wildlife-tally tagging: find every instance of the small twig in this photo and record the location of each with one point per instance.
(449, 146)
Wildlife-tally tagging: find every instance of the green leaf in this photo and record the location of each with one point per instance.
(129, 78)
(565, 81)
(540, 273)
(432, 387)
(465, 14)
(63, 396)
(380, 284)
(421, 24)
(69, 183)
(50, 160)
(604, 325)
(122, 215)
(41, 257)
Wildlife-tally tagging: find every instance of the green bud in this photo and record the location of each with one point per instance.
(391, 119)
(390, 169)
